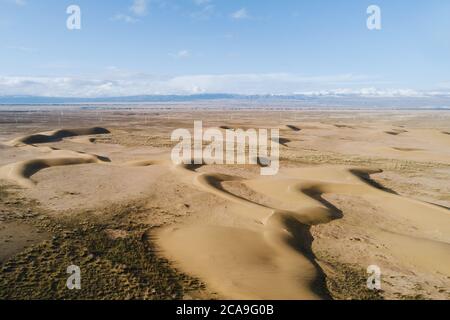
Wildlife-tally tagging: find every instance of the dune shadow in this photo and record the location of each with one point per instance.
(62, 134)
(293, 128)
(392, 133)
(438, 205)
(318, 196)
(396, 132)
(302, 240)
(344, 126)
(263, 161)
(406, 149)
(102, 158)
(216, 182)
(33, 168)
(365, 177)
(193, 167)
(282, 141)
(30, 168)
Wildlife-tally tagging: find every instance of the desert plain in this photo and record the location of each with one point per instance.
(94, 186)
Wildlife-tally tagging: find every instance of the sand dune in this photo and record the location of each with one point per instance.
(293, 128)
(396, 132)
(276, 260)
(264, 250)
(57, 135)
(21, 172)
(146, 163)
(81, 139)
(406, 149)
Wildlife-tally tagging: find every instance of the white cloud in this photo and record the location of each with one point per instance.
(124, 18)
(278, 83)
(139, 7)
(180, 54)
(117, 82)
(444, 85)
(371, 92)
(240, 14)
(204, 13)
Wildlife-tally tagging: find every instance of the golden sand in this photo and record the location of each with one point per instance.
(352, 190)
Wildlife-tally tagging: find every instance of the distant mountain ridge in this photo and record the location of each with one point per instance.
(23, 99)
(350, 100)
(140, 98)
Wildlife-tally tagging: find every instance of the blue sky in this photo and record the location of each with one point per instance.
(131, 47)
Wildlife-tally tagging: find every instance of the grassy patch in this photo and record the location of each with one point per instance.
(125, 267)
(346, 281)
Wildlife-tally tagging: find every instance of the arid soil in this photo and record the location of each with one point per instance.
(96, 187)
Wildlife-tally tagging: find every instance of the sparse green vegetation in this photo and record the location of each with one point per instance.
(346, 282)
(111, 268)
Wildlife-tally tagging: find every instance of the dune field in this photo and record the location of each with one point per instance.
(97, 188)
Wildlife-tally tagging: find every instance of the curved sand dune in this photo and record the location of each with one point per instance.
(56, 135)
(293, 128)
(21, 172)
(82, 139)
(271, 258)
(275, 262)
(396, 132)
(146, 163)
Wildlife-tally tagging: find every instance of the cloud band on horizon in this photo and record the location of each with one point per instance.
(131, 84)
